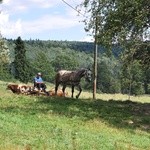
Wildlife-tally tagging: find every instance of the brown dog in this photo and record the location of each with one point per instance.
(59, 93)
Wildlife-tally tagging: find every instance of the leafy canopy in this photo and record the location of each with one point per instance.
(117, 20)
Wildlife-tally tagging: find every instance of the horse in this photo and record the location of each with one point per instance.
(73, 78)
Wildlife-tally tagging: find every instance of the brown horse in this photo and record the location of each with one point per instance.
(72, 78)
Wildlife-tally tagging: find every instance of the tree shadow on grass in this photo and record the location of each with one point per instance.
(121, 114)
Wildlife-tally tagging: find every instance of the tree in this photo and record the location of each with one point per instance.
(65, 62)
(132, 78)
(123, 22)
(142, 54)
(43, 64)
(108, 75)
(4, 59)
(136, 63)
(21, 63)
(117, 20)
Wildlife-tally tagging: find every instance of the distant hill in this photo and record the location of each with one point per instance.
(87, 47)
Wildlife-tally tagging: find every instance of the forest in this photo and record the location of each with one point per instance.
(118, 70)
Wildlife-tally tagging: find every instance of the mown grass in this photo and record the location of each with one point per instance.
(52, 123)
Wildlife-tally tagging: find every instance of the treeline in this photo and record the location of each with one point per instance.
(118, 72)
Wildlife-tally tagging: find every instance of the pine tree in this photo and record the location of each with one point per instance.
(20, 63)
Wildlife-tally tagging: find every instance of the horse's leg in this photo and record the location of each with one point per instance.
(72, 91)
(63, 89)
(80, 90)
(56, 88)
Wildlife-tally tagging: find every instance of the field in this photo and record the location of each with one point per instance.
(112, 122)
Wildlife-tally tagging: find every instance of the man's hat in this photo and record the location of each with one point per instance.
(39, 74)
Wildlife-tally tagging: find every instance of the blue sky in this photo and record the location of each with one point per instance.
(42, 19)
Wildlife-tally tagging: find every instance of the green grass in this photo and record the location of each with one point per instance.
(50, 123)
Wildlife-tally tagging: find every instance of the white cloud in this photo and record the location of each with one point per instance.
(45, 23)
(18, 27)
(44, 3)
(9, 28)
(14, 21)
(48, 22)
(4, 17)
(6, 2)
(13, 7)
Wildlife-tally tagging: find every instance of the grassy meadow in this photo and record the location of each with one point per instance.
(112, 122)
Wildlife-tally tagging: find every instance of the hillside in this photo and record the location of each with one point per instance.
(85, 47)
(81, 53)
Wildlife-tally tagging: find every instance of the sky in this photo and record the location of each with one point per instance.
(42, 19)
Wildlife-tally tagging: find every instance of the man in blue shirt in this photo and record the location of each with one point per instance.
(39, 83)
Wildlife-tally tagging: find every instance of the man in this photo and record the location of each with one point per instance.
(39, 83)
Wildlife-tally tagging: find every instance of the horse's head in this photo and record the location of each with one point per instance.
(88, 75)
